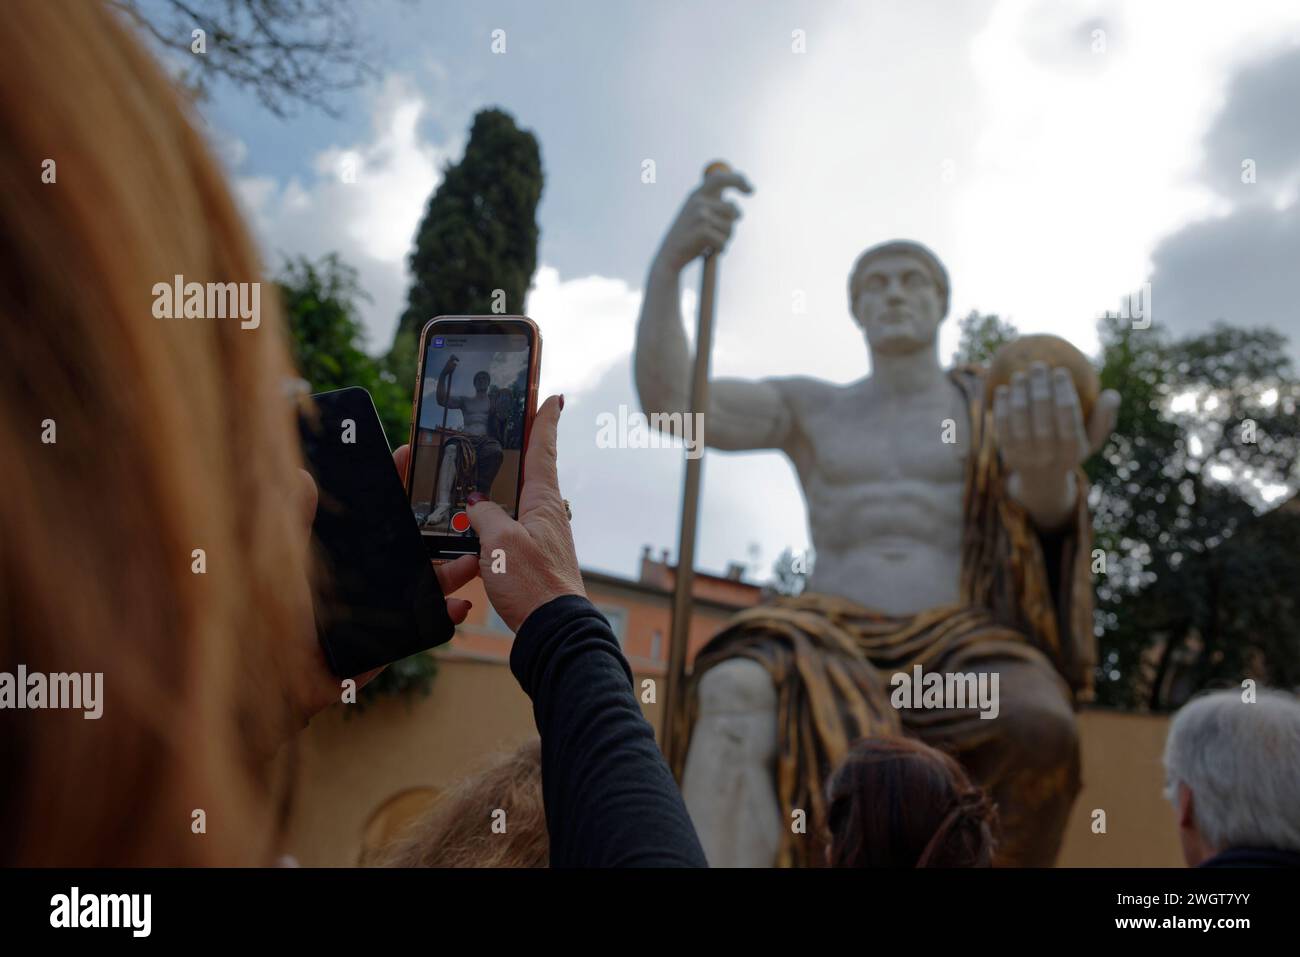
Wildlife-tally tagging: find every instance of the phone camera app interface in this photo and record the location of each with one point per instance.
(470, 436)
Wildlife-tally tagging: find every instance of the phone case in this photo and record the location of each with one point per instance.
(377, 597)
(534, 374)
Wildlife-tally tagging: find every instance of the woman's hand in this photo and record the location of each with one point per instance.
(526, 563)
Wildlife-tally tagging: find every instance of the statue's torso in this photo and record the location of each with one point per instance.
(884, 491)
(475, 409)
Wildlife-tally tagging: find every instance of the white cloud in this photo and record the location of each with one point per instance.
(370, 221)
(588, 324)
(1085, 159)
(1067, 167)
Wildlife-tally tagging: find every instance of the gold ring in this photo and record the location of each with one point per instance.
(568, 510)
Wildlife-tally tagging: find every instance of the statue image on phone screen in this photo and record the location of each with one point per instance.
(471, 424)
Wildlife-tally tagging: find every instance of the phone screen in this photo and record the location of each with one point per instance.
(475, 399)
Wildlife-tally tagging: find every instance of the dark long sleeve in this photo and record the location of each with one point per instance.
(610, 798)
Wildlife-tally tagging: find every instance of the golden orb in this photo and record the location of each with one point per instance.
(1019, 354)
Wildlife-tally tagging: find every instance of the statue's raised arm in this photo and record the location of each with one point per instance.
(742, 414)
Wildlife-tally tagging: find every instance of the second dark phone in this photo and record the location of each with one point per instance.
(378, 598)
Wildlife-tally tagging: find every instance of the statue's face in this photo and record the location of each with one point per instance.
(482, 381)
(898, 305)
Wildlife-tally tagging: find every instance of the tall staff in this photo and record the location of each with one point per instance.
(675, 693)
(441, 392)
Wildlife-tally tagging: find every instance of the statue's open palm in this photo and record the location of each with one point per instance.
(1039, 423)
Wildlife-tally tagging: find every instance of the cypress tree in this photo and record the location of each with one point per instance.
(479, 232)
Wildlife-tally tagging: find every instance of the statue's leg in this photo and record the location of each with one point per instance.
(1030, 761)
(450, 452)
(729, 781)
(489, 463)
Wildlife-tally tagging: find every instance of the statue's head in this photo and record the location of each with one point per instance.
(481, 381)
(898, 293)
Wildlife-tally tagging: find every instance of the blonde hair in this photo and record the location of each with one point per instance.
(171, 435)
(457, 830)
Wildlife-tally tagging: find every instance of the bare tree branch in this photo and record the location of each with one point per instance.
(286, 52)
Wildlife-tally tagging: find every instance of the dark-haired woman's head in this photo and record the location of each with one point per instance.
(897, 802)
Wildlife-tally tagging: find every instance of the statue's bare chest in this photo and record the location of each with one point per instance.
(856, 439)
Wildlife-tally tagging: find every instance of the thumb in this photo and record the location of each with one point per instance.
(540, 480)
(402, 459)
(310, 496)
(489, 520)
(715, 183)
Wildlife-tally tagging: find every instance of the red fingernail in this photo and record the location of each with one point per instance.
(474, 498)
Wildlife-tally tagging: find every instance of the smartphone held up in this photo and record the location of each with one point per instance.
(378, 597)
(475, 398)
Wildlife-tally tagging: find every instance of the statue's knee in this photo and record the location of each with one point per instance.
(736, 686)
(1041, 725)
(1061, 733)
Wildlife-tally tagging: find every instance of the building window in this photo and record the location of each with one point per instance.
(617, 621)
(656, 644)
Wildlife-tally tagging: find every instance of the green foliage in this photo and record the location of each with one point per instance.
(407, 676)
(980, 338)
(320, 305)
(320, 302)
(479, 232)
(1196, 572)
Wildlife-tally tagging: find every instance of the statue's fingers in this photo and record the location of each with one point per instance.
(1019, 408)
(1041, 414)
(715, 219)
(1105, 413)
(715, 237)
(715, 183)
(727, 210)
(1069, 415)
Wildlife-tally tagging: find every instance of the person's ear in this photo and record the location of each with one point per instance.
(1186, 807)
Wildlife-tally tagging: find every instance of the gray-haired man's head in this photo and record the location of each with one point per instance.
(1232, 771)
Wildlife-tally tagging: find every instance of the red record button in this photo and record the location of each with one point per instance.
(460, 522)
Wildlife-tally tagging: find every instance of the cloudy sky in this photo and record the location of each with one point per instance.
(1055, 153)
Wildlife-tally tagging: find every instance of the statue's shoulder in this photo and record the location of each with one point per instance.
(798, 390)
(804, 386)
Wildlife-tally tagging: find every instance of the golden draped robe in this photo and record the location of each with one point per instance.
(1025, 605)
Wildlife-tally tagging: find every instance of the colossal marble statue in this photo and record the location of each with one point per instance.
(946, 535)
